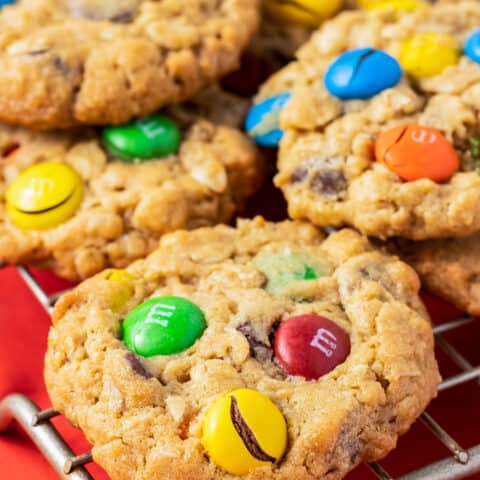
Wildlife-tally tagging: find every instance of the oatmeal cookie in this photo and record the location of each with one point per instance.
(450, 268)
(381, 124)
(67, 63)
(265, 351)
(81, 200)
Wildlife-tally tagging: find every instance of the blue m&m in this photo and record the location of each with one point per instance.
(472, 47)
(263, 120)
(362, 73)
(6, 2)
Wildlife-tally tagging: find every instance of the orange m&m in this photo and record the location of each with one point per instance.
(415, 151)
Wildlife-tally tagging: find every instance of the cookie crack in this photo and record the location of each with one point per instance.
(397, 141)
(49, 209)
(246, 434)
(361, 59)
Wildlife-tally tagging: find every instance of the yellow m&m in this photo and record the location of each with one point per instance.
(428, 54)
(310, 13)
(244, 430)
(125, 290)
(401, 5)
(44, 196)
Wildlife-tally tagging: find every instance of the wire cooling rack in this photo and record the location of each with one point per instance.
(460, 464)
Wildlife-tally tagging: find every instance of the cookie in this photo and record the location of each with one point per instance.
(79, 201)
(285, 27)
(450, 268)
(381, 127)
(265, 351)
(67, 63)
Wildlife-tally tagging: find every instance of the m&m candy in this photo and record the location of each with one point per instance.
(163, 326)
(361, 74)
(44, 195)
(400, 5)
(6, 2)
(414, 152)
(428, 54)
(310, 346)
(243, 430)
(120, 276)
(472, 47)
(283, 269)
(263, 120)
(309, 13)
(153, 137)
(125, 290)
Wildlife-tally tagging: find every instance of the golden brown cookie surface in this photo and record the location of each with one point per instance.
(450, 268)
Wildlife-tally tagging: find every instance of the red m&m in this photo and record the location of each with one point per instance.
(415, 151)
(310, 346)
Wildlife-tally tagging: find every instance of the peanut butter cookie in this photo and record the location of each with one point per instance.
(380, 123)
(261, 352)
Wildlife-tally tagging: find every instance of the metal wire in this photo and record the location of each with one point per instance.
(37, 424)
(43, 434)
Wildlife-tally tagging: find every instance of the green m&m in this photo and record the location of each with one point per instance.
(153, 137)
(163, 326)
(283, 269)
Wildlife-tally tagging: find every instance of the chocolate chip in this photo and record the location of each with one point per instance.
(354, 457)
(329, 183)
(259, 350)
(365, 273)
(298, 175)
(125, 17)
(383, 381)
(117, 11)
(39, 51)
(9, 148)
(137, 366)
(247, 435)
(61, 66)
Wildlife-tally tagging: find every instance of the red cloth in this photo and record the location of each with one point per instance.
(25, 326)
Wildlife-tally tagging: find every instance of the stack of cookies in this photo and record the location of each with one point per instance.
(381, 132)
(194, 349)
(77, 199)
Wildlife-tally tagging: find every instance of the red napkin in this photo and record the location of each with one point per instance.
(24, 330)
(25, 326)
